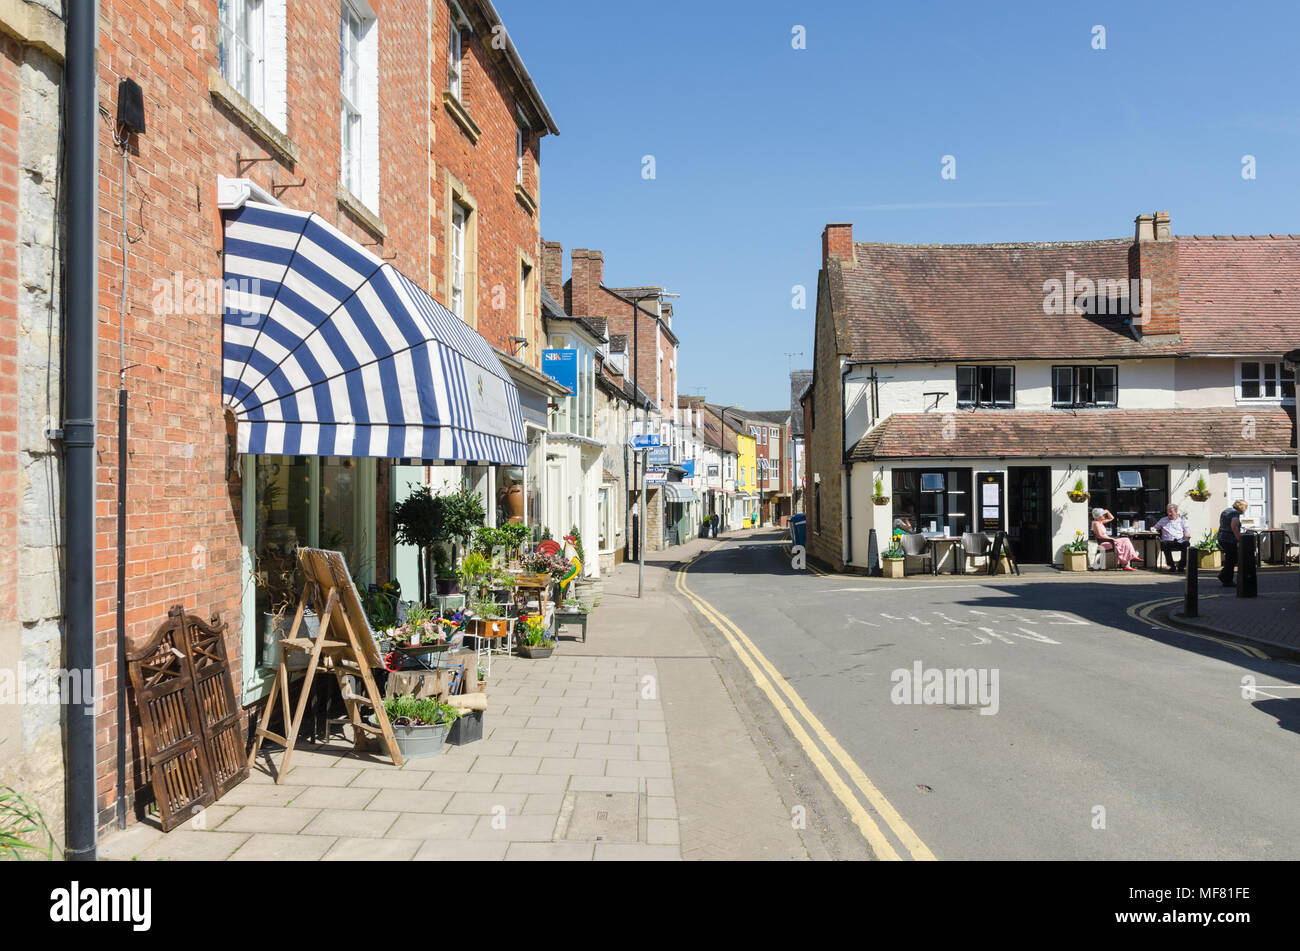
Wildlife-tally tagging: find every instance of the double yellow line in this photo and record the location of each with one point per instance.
(1143, 612)
(778, 692)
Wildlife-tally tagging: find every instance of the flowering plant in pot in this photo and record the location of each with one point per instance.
(533, 642)
(1076, 553)
(540, 563)
(422, 628)
(420, 724)
(891, 562)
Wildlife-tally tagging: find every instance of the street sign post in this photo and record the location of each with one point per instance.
(645, 442)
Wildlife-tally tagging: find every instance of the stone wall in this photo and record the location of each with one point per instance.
(31, 74)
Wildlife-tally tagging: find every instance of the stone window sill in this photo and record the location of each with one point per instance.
(525, 199)
(275, 140)
(462, 117)
(359, 212)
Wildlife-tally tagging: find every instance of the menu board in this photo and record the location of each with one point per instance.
(989, 489)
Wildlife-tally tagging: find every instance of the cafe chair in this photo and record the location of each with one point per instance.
(975, 545)
(916, 546)
(1292, 542)
(1103, 555)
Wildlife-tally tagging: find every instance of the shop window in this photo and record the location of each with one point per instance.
(314, 502)
(1131, 493)
(934, 501)
(990, 386)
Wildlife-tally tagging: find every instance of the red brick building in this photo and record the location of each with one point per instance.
(423, 147)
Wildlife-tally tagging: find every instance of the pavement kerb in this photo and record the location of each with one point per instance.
(1173, 615)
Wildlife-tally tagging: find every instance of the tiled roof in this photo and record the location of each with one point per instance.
(1238, 295)
(985, 301)
(1180, 433)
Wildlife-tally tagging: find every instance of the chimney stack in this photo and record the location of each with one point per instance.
(586, 274)
(1157, 263)
(837, 241)
(553, 270)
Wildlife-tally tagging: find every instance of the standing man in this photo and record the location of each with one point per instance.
(1175, 536)
(1229, 536)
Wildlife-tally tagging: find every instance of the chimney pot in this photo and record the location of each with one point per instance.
(1146, 228)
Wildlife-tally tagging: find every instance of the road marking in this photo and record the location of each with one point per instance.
(769, 680)
(1142, 612)
(912, 587)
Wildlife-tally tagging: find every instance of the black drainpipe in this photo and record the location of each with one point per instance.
(79, 334)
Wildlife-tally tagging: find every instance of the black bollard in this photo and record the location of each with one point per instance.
(1248, 565)
(873, 555)
(1192, 561)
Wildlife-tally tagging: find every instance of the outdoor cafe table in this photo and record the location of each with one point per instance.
(942, 546)
(1147, 545)
(1272, 545)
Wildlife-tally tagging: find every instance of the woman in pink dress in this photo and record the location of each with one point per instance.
(1124, 550)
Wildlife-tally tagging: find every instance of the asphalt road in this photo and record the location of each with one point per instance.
(1112, 738)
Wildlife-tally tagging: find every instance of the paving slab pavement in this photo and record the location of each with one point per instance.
(1272, 618)
(626, 747)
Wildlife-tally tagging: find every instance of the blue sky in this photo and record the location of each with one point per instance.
(758, 145)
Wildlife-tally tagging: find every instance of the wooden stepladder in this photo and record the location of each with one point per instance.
(344, 646)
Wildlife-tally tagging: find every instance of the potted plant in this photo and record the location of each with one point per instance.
(878, 495)
(1078, 493)
(475, 573)
(891, 562)
(462, 513)
(487, 619)
(444, 575)
(1202, 492)
(419, 724)
(1208, 551)
(533, 642)
(1076, 553)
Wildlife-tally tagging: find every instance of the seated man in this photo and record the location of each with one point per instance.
(1175, 536)
(902, 526)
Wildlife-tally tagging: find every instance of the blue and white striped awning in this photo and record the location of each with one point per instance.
(330, 351)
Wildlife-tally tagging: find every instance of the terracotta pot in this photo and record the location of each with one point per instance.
(512, 498)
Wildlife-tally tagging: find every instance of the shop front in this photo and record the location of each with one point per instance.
(348, 386)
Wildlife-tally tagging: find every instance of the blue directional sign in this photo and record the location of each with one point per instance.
(645, 442)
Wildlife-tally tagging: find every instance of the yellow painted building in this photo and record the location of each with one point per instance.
(746, 475)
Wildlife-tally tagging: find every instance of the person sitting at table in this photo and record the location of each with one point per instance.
(1125, 553)
(902, 526)
(1175, 536)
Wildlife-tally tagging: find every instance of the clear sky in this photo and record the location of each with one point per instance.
(757, 145)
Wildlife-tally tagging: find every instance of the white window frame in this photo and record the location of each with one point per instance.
(519, 155)
(266, 88)
(457, 27)
(456, 252)
(1278, 372)
(359, 101)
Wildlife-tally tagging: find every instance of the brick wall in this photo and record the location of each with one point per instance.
(486, 169)
(183, 542)
(1156, 255)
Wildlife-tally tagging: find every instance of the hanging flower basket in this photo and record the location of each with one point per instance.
(1199, 496)
(880, 499)
(1077, 496)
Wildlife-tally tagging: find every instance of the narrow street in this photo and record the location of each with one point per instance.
(1096, 709)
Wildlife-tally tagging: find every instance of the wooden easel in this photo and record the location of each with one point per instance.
(344, 646)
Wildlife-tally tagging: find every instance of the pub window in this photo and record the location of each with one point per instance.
(986, 386)
(1132, 494)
